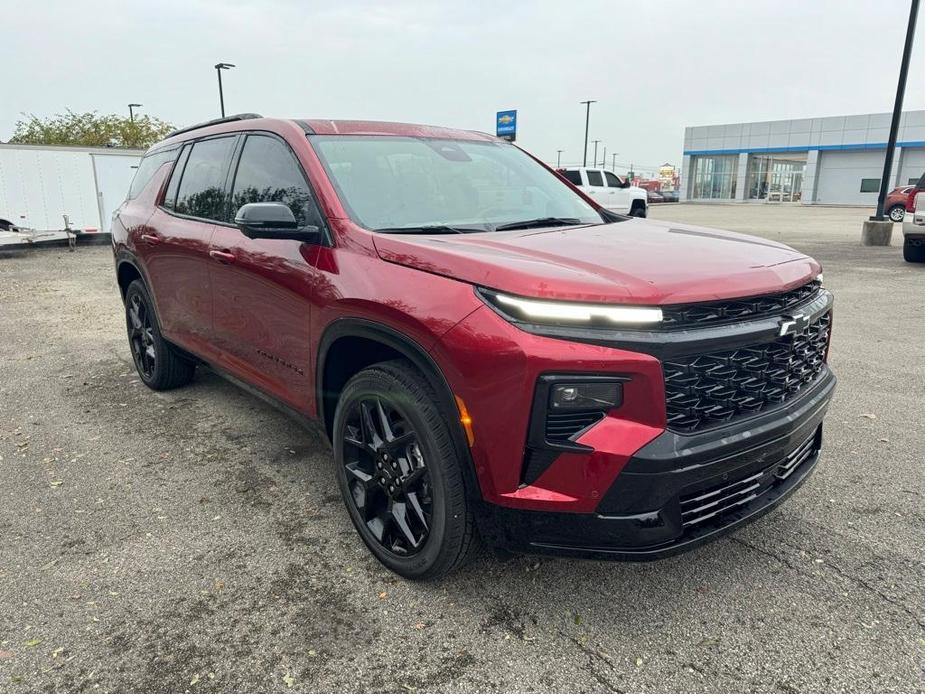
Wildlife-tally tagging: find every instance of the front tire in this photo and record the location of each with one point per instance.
(158, 363)
(399, 473)
(914, 252)
(897, 212)
(638, 209)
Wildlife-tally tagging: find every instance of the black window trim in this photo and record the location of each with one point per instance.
(327, 238)
(192, 143)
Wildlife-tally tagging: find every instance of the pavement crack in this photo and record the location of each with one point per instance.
(857, 580)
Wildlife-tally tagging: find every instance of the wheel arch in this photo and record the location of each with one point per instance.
(349, 345)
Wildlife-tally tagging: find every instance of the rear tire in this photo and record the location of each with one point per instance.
(914, 253)
(399, 473)
(160, 366)
(897, 212)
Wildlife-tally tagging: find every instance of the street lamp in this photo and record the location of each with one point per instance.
(587, 121)
(596, 143)
(218, 69)
(131, 111)
(559, 158)
(878, 230)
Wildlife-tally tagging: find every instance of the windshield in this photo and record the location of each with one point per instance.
(395, 183)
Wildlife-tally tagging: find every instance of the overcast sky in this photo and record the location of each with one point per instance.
(653, 65)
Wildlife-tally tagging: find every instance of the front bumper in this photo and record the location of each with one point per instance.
(680, 491)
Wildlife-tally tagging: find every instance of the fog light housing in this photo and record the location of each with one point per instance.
(600, 396)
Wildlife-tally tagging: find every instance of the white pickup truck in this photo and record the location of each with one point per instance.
(914, 227)
(609, 190)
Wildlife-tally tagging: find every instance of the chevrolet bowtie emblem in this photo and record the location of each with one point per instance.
(793, 325)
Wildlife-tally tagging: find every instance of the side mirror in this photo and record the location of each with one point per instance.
(273, 220)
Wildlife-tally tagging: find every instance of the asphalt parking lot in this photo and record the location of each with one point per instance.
(195, 540)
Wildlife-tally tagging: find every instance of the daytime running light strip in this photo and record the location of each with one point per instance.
(582, 312)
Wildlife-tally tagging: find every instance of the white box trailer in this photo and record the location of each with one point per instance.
(39, 184)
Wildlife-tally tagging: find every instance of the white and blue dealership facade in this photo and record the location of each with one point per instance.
(836, 160)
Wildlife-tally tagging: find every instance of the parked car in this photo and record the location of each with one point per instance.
(608, 190)
(914, 228)
(654, 196)
(896, 201)
(491, 352)
(669, 195)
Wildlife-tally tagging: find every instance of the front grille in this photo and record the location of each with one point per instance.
(735, 310)
(719, 500)
(705, 390)
(561, 426)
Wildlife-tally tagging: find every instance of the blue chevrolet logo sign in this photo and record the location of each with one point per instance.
(506, 125)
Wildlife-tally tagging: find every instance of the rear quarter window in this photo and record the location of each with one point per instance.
(147, 168)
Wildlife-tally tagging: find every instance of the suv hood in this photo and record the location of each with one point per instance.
(633, 262)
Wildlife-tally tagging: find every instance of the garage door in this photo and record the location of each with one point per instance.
(841, 173)
(913, 165)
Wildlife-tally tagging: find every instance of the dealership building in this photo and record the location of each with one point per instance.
(836, 160)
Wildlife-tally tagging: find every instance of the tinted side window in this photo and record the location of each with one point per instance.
(268, 172)
(147, 168)
(595, 178)
(573, 177)
(612, 180)
(202, 187)
(170, 196)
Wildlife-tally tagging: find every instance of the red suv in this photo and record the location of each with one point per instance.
(491, 353)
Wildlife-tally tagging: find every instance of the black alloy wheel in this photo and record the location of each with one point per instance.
(387, 476)
(400, 472)
(141, 336)
(160, 365)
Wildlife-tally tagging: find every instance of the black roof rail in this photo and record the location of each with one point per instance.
(215, 121)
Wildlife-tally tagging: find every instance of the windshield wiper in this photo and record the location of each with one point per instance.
(541, 222)
(433, 229)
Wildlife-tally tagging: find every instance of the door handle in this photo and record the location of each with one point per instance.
(222, 256)
(151, 239)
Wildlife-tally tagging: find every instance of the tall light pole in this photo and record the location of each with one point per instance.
(596, 143)
(221, 96)
(613, 167)
(131, 111)
(559, 158)
(604, 159)
(885, 184)
(587, 121)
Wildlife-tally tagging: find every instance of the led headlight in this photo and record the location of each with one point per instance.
(563, 312)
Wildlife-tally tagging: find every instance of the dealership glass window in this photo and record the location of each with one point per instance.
(870, 185)
(775, 178)
(715, 177)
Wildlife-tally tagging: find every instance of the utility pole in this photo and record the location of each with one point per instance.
(878, 230)
(613, 167)
(559, 158)
(604, 159)
(596, 143)
(131, 112)
(885, 183)
(221, 96)
(587, 122)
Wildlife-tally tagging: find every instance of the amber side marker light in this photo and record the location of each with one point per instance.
(465, 420)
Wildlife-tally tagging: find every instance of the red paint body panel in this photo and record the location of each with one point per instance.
(633, 262)
(259, 308)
